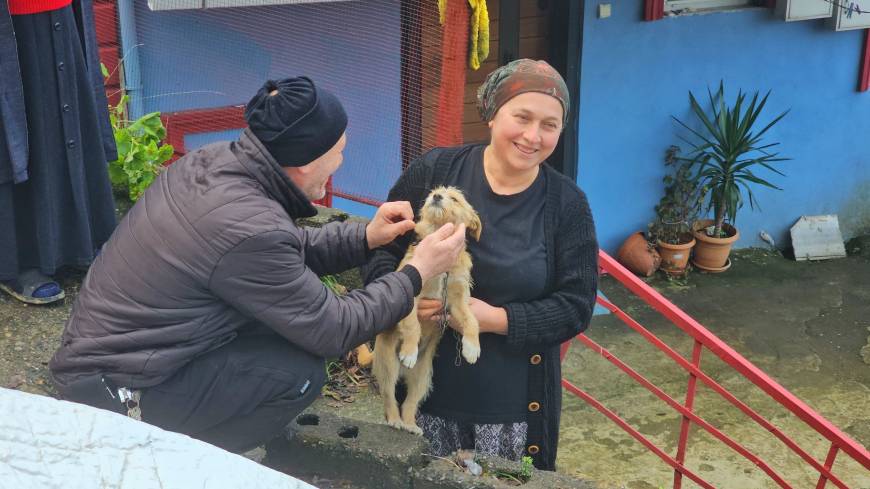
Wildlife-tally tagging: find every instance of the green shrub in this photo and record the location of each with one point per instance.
(141, 154)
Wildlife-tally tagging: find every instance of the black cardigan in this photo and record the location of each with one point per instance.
(537, 327)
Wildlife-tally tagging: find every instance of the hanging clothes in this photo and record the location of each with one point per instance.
(56, 205)
(478, 46)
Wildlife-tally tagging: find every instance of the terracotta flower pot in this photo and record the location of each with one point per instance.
(711, 254)
(637, 255)
(675, 257)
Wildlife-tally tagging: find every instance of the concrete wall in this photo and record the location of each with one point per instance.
(636, 74)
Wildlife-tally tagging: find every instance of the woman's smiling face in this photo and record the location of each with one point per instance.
(525, 130)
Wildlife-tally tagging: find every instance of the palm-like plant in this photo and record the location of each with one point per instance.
(728, 151)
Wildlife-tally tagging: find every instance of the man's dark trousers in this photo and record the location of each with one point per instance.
(237, 396)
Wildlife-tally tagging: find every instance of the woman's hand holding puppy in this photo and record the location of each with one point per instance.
(490, 318)
(436, 253)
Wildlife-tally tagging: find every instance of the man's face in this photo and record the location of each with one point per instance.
(311, 178)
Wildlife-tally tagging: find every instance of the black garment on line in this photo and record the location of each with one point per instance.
(65, 210)
(509, 265)
(235, 397)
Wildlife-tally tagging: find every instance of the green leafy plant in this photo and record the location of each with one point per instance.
(526, 468)
(517, 477)
(728, 150)
(679, 206)
(141, 154)
(331, 283)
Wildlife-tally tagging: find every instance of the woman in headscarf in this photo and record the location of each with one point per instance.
(534, 271)
(56, 205)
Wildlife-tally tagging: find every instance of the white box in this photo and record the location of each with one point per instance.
(817, 238)
(858, 17)
(792, 10)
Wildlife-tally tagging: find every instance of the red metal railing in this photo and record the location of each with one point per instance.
(705, 339)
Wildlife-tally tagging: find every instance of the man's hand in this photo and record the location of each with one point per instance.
(392, 220)
(436, 253)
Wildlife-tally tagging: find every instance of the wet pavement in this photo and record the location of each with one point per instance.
(804, 324)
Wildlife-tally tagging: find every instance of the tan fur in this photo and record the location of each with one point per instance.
(407, 350)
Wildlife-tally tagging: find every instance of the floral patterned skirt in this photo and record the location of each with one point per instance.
(447, 436)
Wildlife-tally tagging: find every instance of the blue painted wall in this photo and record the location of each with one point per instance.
(636, 74)
(191, 59)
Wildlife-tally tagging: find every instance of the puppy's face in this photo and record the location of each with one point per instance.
(447, 204)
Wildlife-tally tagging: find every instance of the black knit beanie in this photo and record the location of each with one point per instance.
(297, 124)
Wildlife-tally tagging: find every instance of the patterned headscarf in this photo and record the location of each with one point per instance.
(520, 76)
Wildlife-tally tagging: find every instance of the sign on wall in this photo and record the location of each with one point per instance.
(851, 14)
(792, 10)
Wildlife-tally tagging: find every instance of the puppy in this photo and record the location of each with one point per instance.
(407, 350)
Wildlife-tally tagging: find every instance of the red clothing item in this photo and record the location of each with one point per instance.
(24, 7)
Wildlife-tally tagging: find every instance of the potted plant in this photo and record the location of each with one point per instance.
(725, 155)
(638, 255)
(671, 231)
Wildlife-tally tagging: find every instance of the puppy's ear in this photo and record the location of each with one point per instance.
(475, 227)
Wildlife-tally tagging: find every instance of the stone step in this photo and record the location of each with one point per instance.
(344, 453)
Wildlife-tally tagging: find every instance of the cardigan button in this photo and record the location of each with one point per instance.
(57, 26)
(533, 449)
(534, 406)
(535, 359)
(66, 107)
(71, 144)
(60, 66)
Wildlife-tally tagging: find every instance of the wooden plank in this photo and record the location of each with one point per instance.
(533, 37)
(528, 8)
(109, 57)
(113, 93)
(653, 9)
(430, 96)
(535, 48)
(534, 27)
(106, 23)
(471, 133)
(475, 133)
(470, 115)
(864, 82)
(529, 27)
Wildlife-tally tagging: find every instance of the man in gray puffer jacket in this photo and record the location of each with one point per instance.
(204, 313)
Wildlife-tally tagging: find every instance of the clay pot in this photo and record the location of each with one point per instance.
(637, 255)
(675, 257)
(711, 254)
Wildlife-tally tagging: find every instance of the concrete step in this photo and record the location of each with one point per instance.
(343, 453)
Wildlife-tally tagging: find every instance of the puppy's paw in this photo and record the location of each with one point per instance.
(470, 350)
(409, 359)
(413, 429)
